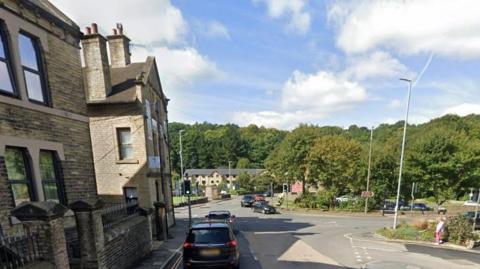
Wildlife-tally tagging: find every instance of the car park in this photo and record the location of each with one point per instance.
(247, 201)
(211, 245)
(263, 207)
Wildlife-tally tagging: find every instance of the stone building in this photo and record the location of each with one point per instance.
(206, 177)
(128, 122)
(45, 146)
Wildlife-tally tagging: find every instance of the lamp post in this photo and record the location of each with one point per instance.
(409, 81)
(368, 172)
(181, 157)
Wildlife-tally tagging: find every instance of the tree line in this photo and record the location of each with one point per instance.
(442, 156)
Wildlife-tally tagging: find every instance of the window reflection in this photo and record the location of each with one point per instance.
(31, 68)
(6, 81)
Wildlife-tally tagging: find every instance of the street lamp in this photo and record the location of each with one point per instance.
(369, 167)
(181, 157)
(409, 81)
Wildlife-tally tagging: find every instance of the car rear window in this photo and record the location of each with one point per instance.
(209, 236)
(219, 216)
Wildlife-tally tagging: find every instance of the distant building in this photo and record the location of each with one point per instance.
(45, 149)
(128, 122)
(205, 177)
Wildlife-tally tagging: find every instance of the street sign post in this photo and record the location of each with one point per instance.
(367, 194)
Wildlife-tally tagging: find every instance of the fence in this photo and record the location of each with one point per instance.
(17, 251)
(115, 213)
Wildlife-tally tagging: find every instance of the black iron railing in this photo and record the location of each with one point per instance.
(115, 213)
(18, 251)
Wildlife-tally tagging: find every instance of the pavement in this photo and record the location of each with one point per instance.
(292, 240)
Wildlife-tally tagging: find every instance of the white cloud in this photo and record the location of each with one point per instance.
(145, 21)
(307, 98)
(321, 91)
(295, 10)
(215, 29)
(179, 68)
(395, 103)
(443, 27)
(464, 109)
(376, 65)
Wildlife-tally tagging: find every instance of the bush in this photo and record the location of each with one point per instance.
(420, 224)
(306, 200)
(459, 230)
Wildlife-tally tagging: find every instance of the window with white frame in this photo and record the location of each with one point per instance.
(125, 147)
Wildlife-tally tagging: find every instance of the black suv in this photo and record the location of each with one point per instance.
(247, 201)
(211, 245)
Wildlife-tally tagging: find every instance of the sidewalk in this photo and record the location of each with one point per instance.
(163, 252)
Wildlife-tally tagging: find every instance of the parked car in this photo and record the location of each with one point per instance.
(420, 207)
(212, 245)
(471, 216)
(222, 215)
(259, 197)
(247, 201)
(470, 203)
(263, 207)
(268, 194)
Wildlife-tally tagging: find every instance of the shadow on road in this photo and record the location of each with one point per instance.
(442, 253)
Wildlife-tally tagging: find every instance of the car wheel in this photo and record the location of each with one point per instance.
(241, 204)
(264, 211)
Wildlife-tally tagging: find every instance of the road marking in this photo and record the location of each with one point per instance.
(302, 252)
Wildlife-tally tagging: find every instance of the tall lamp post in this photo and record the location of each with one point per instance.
(181, 156)
(409, 81)
(369, 167)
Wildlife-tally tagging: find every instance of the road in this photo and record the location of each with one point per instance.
(302, 241)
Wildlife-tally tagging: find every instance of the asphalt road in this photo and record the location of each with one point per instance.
(323, 241)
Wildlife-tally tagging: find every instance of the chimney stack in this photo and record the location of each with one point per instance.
(97, 70)
(119, 46)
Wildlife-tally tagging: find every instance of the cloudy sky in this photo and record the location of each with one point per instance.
(279, 63)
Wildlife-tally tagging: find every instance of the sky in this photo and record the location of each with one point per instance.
(279, 63)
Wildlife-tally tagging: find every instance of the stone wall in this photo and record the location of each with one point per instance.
(126, 243)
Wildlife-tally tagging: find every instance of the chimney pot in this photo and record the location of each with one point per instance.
(88, 30)
(115, 31)
(94, 28)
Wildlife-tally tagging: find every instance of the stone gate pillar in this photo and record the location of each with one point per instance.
(46, 219)
(160, 220)
(90, 231)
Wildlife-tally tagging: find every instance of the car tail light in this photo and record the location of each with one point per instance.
(187, 245)
(232, 244)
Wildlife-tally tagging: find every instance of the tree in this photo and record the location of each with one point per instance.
(334, 162)
(244, 181)
(444, 161)
(243, 163)
(290, 157)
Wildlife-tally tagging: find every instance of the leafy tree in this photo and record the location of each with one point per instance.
(335, 163)
(243, 163)
(244, 181)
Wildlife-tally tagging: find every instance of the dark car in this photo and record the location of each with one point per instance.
(471, 216)
(247, 201)
(263, 207)
(420, 207)
(222, 215)
(211, 245)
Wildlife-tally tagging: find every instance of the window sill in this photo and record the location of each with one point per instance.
(128, 161)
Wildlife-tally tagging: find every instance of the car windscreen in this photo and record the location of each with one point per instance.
(209, 236)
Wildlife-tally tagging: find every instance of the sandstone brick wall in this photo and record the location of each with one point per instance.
(126, 243)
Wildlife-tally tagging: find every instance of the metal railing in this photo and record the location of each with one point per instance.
(115, 213)
(18, 251)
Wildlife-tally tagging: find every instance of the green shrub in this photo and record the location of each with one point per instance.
(306, 200)
(406, 233)
(459, 230)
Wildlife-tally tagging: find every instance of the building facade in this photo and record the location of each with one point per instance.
(128, 122)
(208, 177)
(45, 146)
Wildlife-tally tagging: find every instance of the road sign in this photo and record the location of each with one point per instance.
(367, 194)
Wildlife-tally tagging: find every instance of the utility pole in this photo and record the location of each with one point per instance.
(412, 195)
(182, 179)
(476, 211)
(369, 167)
(403, 151)
(230, 175)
